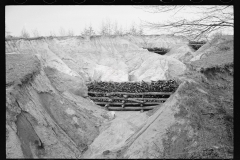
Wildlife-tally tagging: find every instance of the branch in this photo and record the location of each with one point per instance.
(212, 18)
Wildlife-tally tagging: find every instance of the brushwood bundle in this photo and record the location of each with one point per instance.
(133, 87)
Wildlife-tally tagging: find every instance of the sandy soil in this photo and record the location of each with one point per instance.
(195, 122)
(20, 67)
(114, 133)
(106, 58)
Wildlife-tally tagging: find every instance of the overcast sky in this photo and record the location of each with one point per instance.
(52, 18)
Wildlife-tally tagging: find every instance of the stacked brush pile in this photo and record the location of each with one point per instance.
(133, 87)
(104, 88)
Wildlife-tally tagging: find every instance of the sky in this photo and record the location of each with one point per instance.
(51, 18)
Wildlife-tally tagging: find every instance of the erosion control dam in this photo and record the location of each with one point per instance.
(130, 95)
(109, 59)
(61, 91)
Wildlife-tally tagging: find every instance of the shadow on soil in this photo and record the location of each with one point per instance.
(208, 105)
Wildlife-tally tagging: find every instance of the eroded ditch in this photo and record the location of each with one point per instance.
(126, 99)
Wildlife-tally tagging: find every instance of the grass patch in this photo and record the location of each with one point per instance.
(207, 107)
(21, 69)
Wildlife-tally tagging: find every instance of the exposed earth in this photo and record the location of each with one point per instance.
(49, 113)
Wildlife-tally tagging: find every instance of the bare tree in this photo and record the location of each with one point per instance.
(120, 31)
(91, 31)
(52, 33)
(88, 31)
(208, 19)
(103, 29)
(133, 30)
(84, 32)
(62, 32)
(106, 28)
(7, 33)
(140, 30)
(115, 29)
(70, 32)
(24, 33)
(109, 27)
(35, 33)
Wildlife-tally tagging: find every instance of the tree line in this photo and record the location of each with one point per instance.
(106, 28)
(204, 21)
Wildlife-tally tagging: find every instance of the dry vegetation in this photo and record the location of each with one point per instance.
(208, 105)
(21, 68)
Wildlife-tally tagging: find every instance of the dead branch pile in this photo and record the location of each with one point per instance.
(130, 87)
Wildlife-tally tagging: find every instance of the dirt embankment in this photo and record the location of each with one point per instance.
(107, 58)
(219, 46)
(41, 121)
(47, 116)
(195, 122)
(114, 134)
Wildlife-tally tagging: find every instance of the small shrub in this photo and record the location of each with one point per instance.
(216, 37)
(224, 48)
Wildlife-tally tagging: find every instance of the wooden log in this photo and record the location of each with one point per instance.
(104, 98)
(123, 104)
(131, 108)
(118, 98)
(106, 106)
(115, 103)
(125, 96)
(126, 93)
(141, 107)
(135, 100)
(144, 99)
(156, 100)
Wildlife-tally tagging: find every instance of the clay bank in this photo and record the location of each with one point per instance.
(49, 113)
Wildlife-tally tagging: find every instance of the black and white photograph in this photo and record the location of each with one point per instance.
(119, 81)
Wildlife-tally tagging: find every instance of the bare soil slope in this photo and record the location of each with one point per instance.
(217, 46)
(114, 133)
(106, 58)
(48, 114)
(40, 121)
(195, 122)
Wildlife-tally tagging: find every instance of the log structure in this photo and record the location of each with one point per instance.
(123, 101)
(129, 95)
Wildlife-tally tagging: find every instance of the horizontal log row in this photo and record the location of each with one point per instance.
(131, 96)
(127, 104)
(131, 108)
(106, 98)
(126, 93)
(124, 104)
(130, 99)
